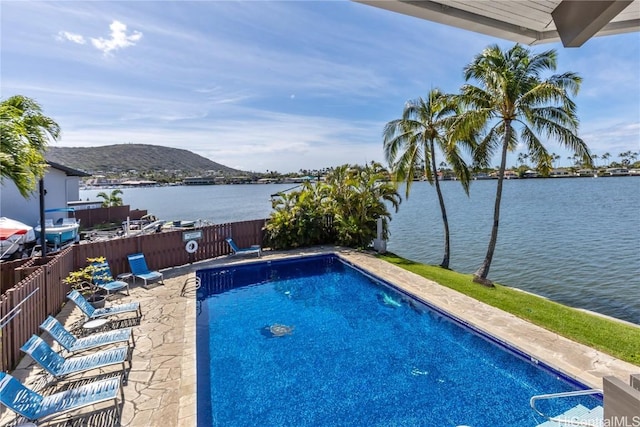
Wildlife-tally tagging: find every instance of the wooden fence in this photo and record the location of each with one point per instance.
(26, 305)
(38, 289)
(92, 217)
(8, 273)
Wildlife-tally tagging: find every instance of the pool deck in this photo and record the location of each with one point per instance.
(161, 387)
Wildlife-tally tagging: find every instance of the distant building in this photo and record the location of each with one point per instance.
(199, 180)
(617, 172)
(586, 172)
(138, 183)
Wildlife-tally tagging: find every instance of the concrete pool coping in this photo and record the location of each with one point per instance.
(161, 389)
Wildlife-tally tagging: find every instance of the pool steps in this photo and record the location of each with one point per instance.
(579, 415)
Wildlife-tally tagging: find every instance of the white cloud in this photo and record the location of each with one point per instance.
(76, 38)
(119, 38)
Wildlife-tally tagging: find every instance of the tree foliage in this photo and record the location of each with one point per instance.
(342, 210)
(512, 103)
(112, 199)
(410, 148)
(25, 133)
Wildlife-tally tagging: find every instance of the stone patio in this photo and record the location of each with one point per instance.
(161, 386)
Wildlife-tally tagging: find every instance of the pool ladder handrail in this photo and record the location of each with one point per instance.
(195, 280)
(534, 399)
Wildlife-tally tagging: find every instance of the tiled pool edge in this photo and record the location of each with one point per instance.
(187, 409)
(574, 360)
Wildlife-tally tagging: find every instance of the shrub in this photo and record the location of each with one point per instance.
(343, 210)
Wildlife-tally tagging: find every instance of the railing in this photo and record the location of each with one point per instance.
(7, 318)
(23, 310)
(534, 399)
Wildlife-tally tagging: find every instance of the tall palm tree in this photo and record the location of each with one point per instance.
(24, 136)
(411, 141)
(513, 102)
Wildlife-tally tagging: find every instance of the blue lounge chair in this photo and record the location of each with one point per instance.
(60, 367)
(139, 269)
(35, 407)
(103, 279)
(255, 249)
(73, 344)
(96, 313)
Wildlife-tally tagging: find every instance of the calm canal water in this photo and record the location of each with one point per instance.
(575, 241)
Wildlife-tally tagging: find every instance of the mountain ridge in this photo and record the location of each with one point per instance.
(143, 158)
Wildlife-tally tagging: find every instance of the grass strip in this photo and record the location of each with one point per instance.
(609, 336)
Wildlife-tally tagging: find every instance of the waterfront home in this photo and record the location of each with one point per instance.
(560, 173)
(61, 186)
(199, 180)
(482, 175)
(616, 172)
(587, 172)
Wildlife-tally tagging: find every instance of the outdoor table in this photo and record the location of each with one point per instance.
(94, 325)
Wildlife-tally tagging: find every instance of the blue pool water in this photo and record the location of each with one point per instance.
(359, 354)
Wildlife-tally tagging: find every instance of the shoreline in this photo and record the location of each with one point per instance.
(301, 181)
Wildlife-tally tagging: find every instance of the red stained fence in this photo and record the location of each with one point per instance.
(37, 289)
(92, 217)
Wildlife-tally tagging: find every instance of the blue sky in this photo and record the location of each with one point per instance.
(270, 85)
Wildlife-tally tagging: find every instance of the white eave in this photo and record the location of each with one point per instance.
(528, 22)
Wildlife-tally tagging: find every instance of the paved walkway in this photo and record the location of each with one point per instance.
(161, 387)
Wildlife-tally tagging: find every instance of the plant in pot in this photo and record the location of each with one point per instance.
(82, 281)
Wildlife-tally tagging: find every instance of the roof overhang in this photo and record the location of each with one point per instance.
(67, 170)
(572, 22)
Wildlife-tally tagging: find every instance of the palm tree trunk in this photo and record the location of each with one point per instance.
(480, 276)
(445, 221)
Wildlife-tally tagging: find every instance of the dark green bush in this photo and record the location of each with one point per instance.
(342, 210)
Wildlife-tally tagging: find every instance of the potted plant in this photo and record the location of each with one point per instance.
(82, 281)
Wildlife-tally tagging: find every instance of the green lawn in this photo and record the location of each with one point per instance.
(617, 339)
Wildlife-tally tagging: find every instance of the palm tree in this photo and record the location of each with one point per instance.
(605, 157)
(625, 158)
(412, 140)
(112, 199)
(24, 136)
(522, 158)
(358, 196)
(513, 102)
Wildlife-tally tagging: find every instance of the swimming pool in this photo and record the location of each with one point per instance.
(351, 351)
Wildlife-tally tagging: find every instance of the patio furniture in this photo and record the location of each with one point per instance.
(74, 344)
(139, 269)
(35, 407)
(60, 367)
(95, 313)
(254, 249)
(103, 279)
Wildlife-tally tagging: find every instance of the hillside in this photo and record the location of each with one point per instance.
(139, 157)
